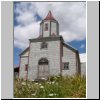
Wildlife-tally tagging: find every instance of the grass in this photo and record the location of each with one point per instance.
(54, 87)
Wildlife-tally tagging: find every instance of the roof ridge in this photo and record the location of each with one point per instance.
(70, 46)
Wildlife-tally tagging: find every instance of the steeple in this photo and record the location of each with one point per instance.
(49, 16)
(49, 26)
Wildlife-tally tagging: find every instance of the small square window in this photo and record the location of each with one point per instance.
(46, 27)
(66, 66)
(43, 45)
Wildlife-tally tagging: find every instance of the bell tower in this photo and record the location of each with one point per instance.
(49, 26)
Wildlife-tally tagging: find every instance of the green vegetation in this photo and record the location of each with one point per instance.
(54, 87)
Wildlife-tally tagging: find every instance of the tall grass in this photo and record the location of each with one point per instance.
(54, 87)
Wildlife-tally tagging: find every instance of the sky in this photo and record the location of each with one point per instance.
(70, 15)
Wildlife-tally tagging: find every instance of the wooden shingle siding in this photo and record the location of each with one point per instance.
(69, 56)
(52, 54)
(83, 68)
(22, 72)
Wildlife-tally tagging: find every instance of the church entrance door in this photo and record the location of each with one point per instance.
(43, 70)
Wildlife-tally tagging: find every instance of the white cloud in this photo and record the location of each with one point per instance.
(23, 33)
(70, 15)
(83, 57)
(82, 46)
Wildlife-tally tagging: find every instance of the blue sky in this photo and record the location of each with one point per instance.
(70, 15)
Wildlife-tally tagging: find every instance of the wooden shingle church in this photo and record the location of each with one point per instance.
(48, 54)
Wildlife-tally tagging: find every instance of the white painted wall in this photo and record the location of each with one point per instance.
(53, 28)
(83, 68)
(52, 53)
(23, 62)
(69, 56)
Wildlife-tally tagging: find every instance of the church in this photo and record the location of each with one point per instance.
(48, 55)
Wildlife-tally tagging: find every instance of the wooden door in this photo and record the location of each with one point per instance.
(43, 71)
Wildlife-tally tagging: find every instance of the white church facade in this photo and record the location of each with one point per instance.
(48, 54)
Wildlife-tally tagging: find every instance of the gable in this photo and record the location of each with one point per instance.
(71, 54)
(25, 52)
(68, 52)
(72, 49)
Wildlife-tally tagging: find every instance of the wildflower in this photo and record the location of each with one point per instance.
(40, 84)
(49, 82)
(55, 77)
(23, 83)
(41, 87)
(36, 83)
(33, 94)
(53, 82)
(43, 78)
(51, 94)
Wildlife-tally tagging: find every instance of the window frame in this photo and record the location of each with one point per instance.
(46, 27)
(44, 45)
(67, 64)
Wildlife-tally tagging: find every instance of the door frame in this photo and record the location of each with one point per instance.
(39, 66)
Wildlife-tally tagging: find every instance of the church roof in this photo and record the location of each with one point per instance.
(24, 51)
(49, 16)
(50, 39)
(69, 46)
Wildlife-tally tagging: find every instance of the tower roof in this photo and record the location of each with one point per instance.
(49, 16)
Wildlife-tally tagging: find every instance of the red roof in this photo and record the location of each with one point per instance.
(49, 16)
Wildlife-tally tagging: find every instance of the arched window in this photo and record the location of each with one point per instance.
(44, 45)
(43, 61)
